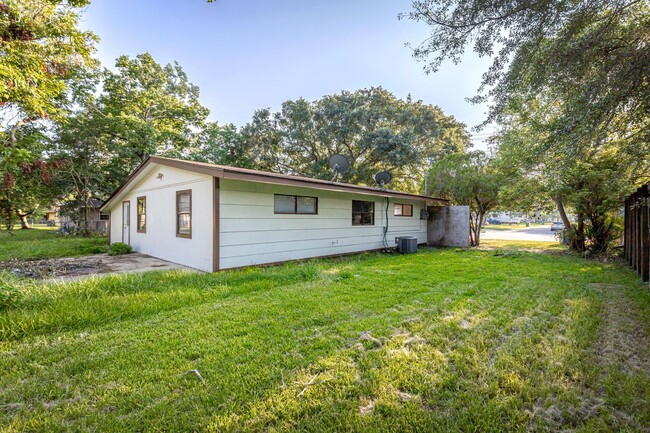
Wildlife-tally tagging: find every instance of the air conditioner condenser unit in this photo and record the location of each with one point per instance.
(406, 244)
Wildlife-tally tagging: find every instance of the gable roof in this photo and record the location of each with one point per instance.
(226, 172)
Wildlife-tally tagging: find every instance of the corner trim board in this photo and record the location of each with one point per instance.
(216, 226)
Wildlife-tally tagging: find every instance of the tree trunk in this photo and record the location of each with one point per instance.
(576, 234)
(479, 225)
(23, 219)
(84, 225)
(563, 216)
(472, 231)
(475, 224)
(578, 241)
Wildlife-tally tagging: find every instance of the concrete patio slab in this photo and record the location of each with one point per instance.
(75, 268)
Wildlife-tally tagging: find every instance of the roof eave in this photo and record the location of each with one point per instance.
(263, 177)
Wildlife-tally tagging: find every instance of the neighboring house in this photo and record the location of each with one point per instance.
(98, 221)
(51, 216)
(213, 217)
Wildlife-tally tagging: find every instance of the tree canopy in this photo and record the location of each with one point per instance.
(568, 88)
(148, 109)
(590, 177)
(373, 128)
(44, 57)
(602, 43)
(43, 51)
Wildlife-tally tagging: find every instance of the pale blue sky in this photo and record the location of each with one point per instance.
(246, 55)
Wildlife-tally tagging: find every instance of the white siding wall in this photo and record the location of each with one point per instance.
(160, 238)
(250, 232)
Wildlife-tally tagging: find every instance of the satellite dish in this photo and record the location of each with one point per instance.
(382, 178)
(339, 164)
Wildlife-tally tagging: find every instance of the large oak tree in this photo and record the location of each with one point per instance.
(373, 128)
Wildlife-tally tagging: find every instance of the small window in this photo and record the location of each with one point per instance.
(292, 204)
(102, 217)
(363, 213)
(184, 214)
(141, 219)
(405, 210)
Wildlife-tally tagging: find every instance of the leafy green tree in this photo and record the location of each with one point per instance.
(221, 145)
(596, 49)
(148, 109)
(26, 184)
(468, 179)
(373, 128)
(87, 173)
(43, 57)
(42, 51)
(569, 88)
(589, 178)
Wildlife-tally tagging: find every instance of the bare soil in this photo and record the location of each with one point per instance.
(72, 268)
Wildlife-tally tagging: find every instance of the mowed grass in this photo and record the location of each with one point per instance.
(43, 243)
(443, 340)
(516, 245)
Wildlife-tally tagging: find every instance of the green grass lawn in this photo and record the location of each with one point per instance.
(42, 243)
(444, 340)
(533, 246)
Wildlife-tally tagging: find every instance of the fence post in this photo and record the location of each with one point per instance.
(636, 238)
(645, 232)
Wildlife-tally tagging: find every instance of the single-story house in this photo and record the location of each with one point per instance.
(97, 220)
(213, 217)
(51, 216)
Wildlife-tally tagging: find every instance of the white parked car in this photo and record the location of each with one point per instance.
(557, 226)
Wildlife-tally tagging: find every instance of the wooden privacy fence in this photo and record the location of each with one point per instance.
(637, 231)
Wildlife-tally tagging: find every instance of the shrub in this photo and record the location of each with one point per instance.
(93, 249)
(119, 248)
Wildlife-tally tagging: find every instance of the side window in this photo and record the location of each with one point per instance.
(184, 214)
(292, 204)
(363, 213)
(405, 210)
(142, 215)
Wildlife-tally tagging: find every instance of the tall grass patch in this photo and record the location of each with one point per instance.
(444, 340)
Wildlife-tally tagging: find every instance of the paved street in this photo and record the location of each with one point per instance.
(538, 233)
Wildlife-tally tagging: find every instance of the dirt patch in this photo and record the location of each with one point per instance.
(559, 417)
(366, 407)
(622, 338)
(48, 268)
(74, 268)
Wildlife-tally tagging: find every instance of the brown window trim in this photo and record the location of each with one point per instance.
(295, 205)
(184, 235)
(403, 206)
(372, 213)
(137, 214)
(127, 222)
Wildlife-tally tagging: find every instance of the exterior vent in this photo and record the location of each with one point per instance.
(407, 244)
